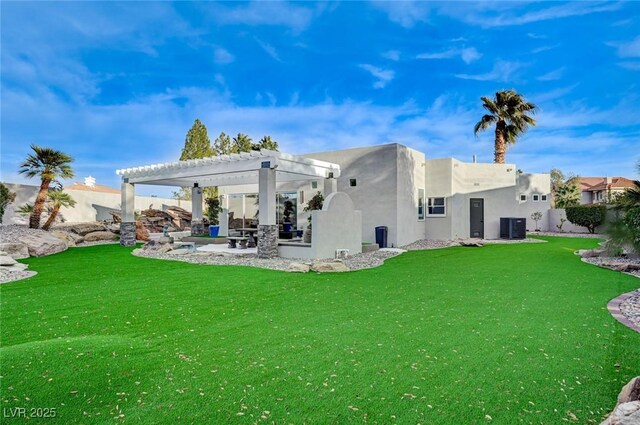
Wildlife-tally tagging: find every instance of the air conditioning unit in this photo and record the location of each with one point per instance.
(513, 228)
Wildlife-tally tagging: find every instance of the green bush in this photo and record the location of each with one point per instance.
(6, 197)
(589, 216)
(213, 209)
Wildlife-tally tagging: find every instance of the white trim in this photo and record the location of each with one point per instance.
(428, 205)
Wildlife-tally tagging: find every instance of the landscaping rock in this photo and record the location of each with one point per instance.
(335, 266)
(165, 240)
(298, 268)
(82, 229)
(180, 251)
(17, 267)
(114, 228)
(100, 236)
(5, 260)
(142, 234)
(70, 238)
(471, 242)
(43, 244)
(592, 253)
(15, 250)
(627, 411)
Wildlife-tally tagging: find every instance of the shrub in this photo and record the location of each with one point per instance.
(6, 197)
(213, 209)
(589, 216)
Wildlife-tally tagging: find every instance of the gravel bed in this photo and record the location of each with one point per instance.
(11, 233)
(511, 241)
(428, 244)
(83, 244)
(616, 261)
(631, 307)
(6, 276)
(568, 234)
(356, 262)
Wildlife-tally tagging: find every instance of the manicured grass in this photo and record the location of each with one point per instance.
(520, 333)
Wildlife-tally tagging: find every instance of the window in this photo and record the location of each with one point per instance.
(314, 185)
(436, 207)
(420, 204)
(543, 198)
(536, 197)
(523, 198)
(352, 182)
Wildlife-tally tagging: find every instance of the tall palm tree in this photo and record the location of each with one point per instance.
(241, 143)
(49, 164)
(58, 199)
(508, 111)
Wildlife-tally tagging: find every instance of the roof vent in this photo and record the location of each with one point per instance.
(89, 181)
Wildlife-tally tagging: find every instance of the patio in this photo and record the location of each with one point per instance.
(264, 167)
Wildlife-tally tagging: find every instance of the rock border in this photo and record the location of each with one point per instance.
(614, 307)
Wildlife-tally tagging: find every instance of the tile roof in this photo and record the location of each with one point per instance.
(590, 184)
(94, 188)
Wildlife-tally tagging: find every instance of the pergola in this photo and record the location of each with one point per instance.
(264, 167)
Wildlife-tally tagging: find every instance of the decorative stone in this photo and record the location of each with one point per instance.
(43, 244)
(471, 242)
(630, 392)
(267, 241)
(82, 229)
(127, 233)
(15, 250)
(5, 260)
(197, 228)
(625, 414)
(70, 238)
(17, 267)
(100, 236)
(115, 228)
(335, 266)
(298, 268)
(142, 234)
(165, 240)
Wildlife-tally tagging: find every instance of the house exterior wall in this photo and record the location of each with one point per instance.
(529, 185)
(90, 206)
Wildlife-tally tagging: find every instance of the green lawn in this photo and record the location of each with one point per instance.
(520, 333)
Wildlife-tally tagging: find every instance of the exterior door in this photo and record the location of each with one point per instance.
(476, 218)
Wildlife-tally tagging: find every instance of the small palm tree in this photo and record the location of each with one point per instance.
(58, 199)
(49, 164)
(508, 111)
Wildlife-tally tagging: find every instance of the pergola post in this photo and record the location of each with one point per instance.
(127, 220)
(223, 216)
(197, 226)
(267, 226)
(330, 186)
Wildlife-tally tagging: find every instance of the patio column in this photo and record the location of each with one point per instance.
(197, 226)
(127, 219)
(330, 186)
(223, 217)
(267, 227)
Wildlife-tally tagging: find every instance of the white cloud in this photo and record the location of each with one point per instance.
(556, 74)
(544, 48)
(405, 13)
(222, 56)
(629, 49)
(468, 54)
(272, 13)
(633, 66)
(393, 55)
(269, 49)
(502, 71)
(383, 76)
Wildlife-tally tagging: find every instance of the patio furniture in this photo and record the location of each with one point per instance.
(241, 239)
(252, 232)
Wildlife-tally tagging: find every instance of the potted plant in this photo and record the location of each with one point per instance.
(286, 221)
(314, 203)
(213, 209)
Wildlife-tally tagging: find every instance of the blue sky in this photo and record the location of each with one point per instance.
(119, 84)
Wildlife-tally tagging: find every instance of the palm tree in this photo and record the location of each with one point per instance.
(509, 113)
(241, 143)
(49, 164)
(58, 199)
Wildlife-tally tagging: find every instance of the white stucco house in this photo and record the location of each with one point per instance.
(414, 197)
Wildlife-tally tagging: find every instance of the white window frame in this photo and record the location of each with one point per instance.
(523, 195)
(535, 197)
(421, 205)
(430, 204)
(544, 198)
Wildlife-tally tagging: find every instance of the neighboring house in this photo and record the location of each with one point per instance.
(93, 202)
(596, 190)
(415, 197)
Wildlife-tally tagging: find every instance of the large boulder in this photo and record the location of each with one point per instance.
(298, 268)
(70, 238)
(100, 236)
(335, 266)
(5, 260)
(142, 234)
(15, 250)
(82, 229)
(42, 244)
(627, 411)
(471, 242)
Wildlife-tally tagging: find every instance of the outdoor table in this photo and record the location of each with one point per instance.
(251, 231)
